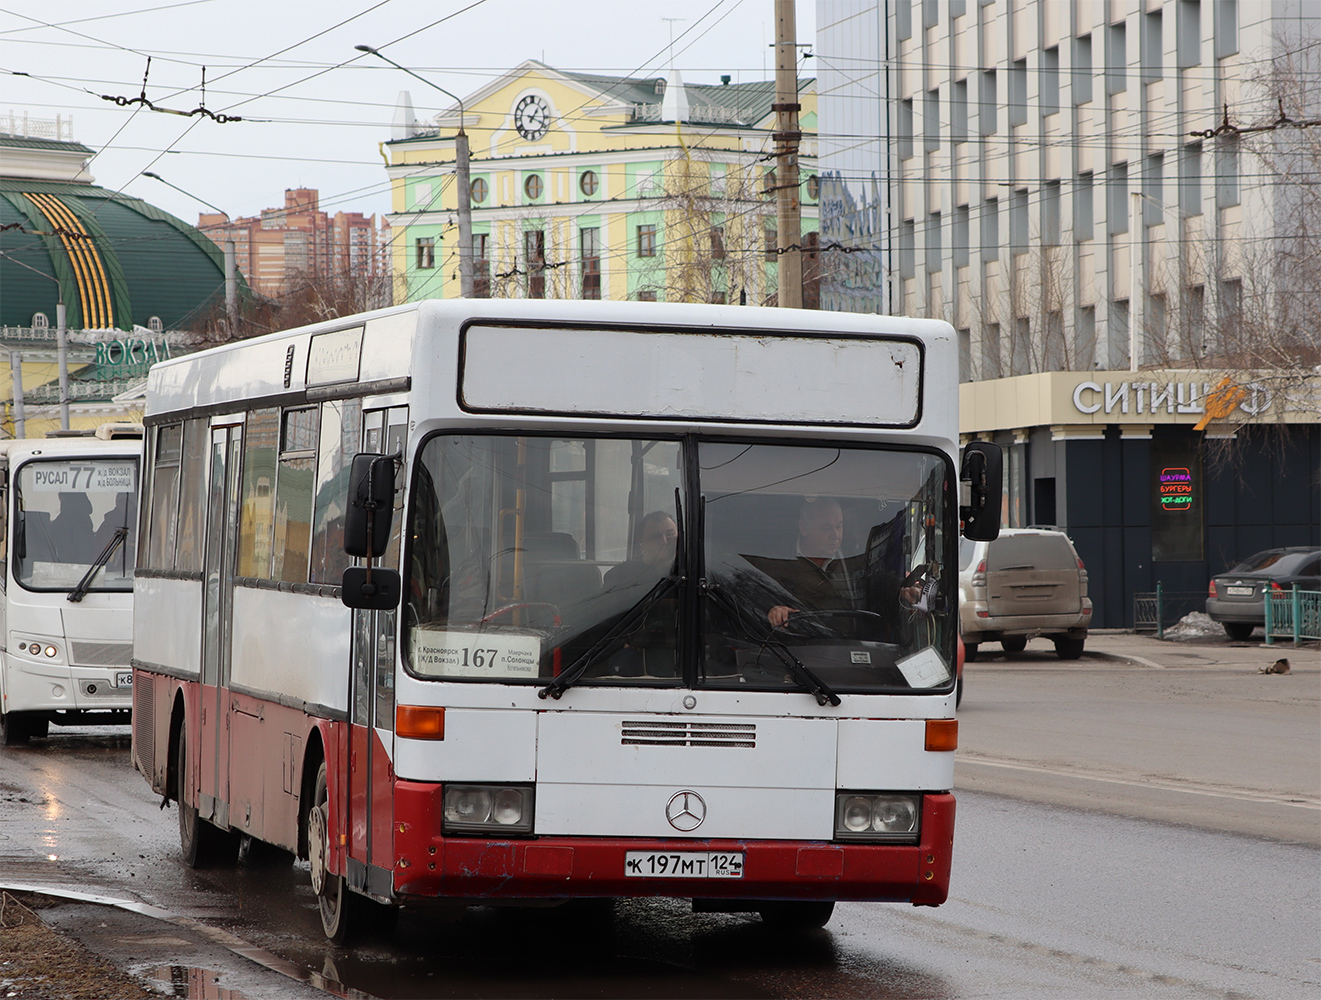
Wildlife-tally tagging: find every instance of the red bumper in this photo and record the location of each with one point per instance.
(428, 865)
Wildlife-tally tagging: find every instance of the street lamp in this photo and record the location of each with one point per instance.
(231, 275)
(460, 177)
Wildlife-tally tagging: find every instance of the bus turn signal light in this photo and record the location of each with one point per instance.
(942, 734)
(425, 722)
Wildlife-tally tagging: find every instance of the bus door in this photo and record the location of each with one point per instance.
(371, 769)
(221, 532)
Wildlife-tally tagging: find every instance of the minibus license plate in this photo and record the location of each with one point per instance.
(123, 678)
(1239, 591)
(683, 864)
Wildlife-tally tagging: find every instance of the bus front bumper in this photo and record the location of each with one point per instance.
(429, 866)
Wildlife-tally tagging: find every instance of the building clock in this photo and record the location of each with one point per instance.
(532, 117)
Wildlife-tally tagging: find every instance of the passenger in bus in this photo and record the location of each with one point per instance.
(119, 516)
(71, 529)
(649, 649)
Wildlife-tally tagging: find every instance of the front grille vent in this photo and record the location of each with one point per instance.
(654, 733)
(101, 654)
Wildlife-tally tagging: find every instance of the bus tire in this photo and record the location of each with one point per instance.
(797, 914)
(13, 729)
(338, 905)
(201, 844)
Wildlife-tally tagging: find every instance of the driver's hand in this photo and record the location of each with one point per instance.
(910, 595)
(779, 614)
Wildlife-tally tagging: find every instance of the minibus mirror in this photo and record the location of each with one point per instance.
(370, 589)
(371, 504)
(981, 482)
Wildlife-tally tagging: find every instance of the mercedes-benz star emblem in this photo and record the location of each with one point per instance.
(685, 811)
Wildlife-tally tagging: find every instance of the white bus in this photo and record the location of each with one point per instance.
(661, 601)
(68, 526)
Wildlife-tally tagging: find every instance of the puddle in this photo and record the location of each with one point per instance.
(190, 982)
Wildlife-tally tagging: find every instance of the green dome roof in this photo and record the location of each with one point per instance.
(119, 261)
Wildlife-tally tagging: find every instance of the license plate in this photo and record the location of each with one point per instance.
(1239, 591)
(683, 864)
(123, 678)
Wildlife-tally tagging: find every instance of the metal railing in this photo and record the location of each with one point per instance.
(1293, 614)
(1154, 610)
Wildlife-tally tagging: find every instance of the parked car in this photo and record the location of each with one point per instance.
(1029, 582)
(1234, 598)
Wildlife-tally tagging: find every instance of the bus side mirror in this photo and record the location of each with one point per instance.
(371, 505)
(370, 589)
(981, 483)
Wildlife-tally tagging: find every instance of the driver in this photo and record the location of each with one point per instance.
(820, 577)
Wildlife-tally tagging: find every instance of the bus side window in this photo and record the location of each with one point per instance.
(257, 513)
(295, 483)
(192, 494)
(162, 524)
(340, 423)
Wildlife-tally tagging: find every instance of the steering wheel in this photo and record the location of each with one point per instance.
(831, 613)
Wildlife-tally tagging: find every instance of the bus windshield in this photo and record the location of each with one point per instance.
(67, 513)
(536, 556)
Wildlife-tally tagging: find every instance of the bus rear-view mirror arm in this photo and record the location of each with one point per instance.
(981, 482)
(367, 534)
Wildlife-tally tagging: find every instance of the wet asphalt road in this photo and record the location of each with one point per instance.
(1048, 901)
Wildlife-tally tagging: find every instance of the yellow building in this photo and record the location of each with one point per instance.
(587, 186)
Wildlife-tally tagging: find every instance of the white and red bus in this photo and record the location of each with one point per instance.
(644, 600)
(68, 523)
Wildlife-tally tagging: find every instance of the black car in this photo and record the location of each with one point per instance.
(1234, 598)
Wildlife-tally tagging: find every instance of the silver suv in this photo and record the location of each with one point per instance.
(1029, 582)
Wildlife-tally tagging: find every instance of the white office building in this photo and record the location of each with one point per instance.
(1019, 167)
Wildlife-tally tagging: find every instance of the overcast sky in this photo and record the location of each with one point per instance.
(315, 110)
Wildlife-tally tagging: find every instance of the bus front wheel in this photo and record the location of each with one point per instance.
(339, 906)
(13, 729)
(202, 844)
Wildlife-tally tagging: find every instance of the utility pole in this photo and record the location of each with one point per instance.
(788, 208)
(461, 177)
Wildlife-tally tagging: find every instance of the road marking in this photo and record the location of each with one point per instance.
(1156, 784)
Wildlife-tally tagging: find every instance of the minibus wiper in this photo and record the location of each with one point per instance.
(795, 667)
(85, 584)
(632, 618)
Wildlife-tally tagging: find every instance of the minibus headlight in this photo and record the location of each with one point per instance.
(51, 651)
(878, 816)
(501, 809)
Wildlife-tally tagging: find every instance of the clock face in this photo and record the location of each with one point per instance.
(532, 117)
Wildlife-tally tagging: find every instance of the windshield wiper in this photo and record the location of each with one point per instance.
(795, 667)
(85, 584)
(631, 620)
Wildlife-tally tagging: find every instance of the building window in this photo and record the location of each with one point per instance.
(1190, 179)
(903, 17)
(1226, 27)
(533, 187)
(905, 128)
(1084, 201)
(1231, 312)
(481, 266)
(588, 183)
(1190, 33)
(813, 187)
(965, 354)
(933, 242)
(718, 298)
(1084, 339)
(1153, 56)
(1018, 225)
(534, 259)
(907, 249)
(155, 325)
(991, 229)
(1050, 81)
(718, 174)
(718, 243)
(589, 246)
(989, 105)
(931, 120)
(960, 237)
(479, 190)
(770, 241)
(1227, 194)
(1153, 190)
(647, 296)
(647, 240)
(1050, 213)
(1082, 70)
(958, 111)
(425, 257)
(991, 350)
(1116, 59)
(1116, 209)
(1018, 92)
(646, 182)
(40, 321)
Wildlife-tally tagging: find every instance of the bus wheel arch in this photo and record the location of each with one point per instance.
(313, 757)
(173, 786)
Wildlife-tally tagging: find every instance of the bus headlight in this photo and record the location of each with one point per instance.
(501, 809)
(878, 816)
